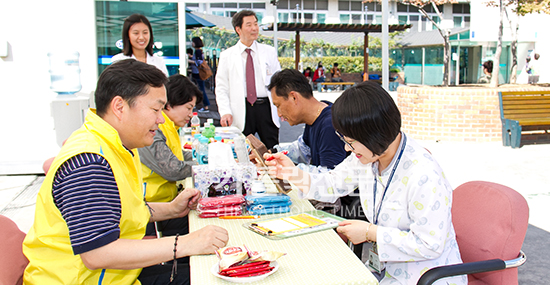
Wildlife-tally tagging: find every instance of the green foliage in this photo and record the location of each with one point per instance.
(347, 64)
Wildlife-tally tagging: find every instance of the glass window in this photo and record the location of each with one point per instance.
(216, 5)
(260, 16)
(370, 18)
(230, 13)
(309, 4)
(164, 21)
(258, 5)
(402, 20)
(343, 5)
(296, 17)
(293, 4)
(344, 18)
(457, 22)
(283, 4)
(322, 4)
(283, 17)
(356, 6)
(378, 19)
(413, 18)
(245, 5)
(192, 4)
(413, 9)
(356, 18)
(457, 8)
(466, 9)
(230, 5)
(402, 7)
(218, 13)
(308, 17)
(321, 18)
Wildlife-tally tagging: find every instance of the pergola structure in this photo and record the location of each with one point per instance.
(337, 28)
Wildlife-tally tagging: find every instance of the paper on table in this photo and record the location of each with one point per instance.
(287, 224)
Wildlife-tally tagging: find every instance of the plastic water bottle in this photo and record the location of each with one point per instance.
(218, 138)
(203, 150)
(240, 149)
(208, 131)
(65, 72)
(195, 124)
(195, 146)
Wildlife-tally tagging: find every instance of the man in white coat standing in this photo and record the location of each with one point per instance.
(243, 74)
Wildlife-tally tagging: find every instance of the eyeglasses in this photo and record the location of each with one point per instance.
(349, 144)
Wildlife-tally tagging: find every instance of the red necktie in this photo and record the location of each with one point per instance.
(250, 79)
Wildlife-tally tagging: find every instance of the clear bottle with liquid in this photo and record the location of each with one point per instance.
(195, 146)
(203, 150)
(240, 149)
(195, 124)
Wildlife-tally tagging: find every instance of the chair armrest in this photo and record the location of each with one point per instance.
(436, 273)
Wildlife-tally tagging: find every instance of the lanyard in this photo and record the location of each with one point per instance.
(375, 214)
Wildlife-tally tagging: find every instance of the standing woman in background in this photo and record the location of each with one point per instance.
(137, 40)
(198, 58)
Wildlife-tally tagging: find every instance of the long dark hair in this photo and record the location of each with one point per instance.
(128, 22)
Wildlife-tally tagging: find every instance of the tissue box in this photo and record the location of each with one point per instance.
(219, 181)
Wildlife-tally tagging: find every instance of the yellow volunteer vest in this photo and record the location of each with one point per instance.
(158, 189)
(47, 245)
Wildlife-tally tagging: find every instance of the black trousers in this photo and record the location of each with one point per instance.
(258, 120)
(169, 227)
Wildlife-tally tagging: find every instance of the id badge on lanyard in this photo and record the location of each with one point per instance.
(374, 259)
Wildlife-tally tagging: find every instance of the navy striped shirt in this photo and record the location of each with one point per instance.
(85, 192)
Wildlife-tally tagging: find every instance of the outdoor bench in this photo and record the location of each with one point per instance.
(527, 112)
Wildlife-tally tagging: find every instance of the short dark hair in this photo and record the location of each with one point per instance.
(128, 79)
(237, 20)
(128, 22)
(180, 90)
(488, 65)
(189, 51)
(197, 41)
(288, 80)
(335, 64)
(368, 114)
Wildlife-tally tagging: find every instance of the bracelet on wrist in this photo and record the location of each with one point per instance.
(367, 233)
(175, 263)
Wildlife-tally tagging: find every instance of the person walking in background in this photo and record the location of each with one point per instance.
(197, 59)
(319, 76)
(244, 71)
(137, 41)
(487, 72)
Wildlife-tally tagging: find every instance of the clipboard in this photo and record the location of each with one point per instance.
(294, 224)
(258, 148)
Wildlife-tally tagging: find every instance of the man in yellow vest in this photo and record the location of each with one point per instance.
(90, 213)
(164, 163)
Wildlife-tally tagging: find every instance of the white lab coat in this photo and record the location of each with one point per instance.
(151, 59)
(231, 82)
(415, 230)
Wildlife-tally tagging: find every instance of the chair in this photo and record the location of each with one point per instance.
(12, 260)
(490, 221)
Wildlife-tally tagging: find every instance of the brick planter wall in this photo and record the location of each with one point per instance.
(462, 114)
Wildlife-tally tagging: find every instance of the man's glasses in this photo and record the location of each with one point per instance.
(349, 144)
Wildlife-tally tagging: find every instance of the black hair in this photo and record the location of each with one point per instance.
(128, 22)
(335, 64)
(288, 80)
(128, 79)
(368, 114)
(189, 51)
(197, 42)
(488, 65)
(237, 20)
(180, 90)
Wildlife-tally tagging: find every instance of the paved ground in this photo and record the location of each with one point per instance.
(526, 170)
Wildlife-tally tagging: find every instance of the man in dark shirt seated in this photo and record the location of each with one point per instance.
(90, 213)
(318, 149)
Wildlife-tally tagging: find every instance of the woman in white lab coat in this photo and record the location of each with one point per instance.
(403, 190)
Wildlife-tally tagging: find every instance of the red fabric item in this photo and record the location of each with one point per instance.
(250, 78)
(12, 260)
(319, 72)
(490, 221)
(221, 201)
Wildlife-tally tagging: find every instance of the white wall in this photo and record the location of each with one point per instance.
(32, 28)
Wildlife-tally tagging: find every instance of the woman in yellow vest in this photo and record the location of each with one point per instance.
(90, 214)
(164, 163)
